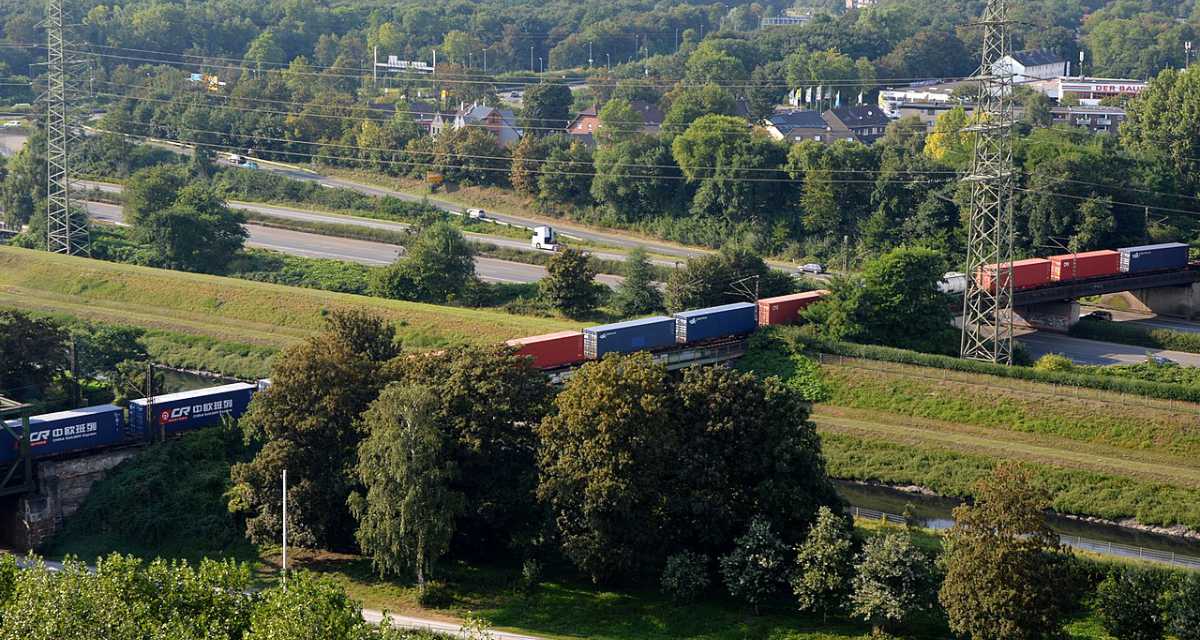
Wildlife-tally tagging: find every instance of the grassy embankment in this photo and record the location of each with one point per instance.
(1102, 453)
(228, 309)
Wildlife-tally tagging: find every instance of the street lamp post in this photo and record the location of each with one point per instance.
(589, 55)
(608, 56)
(531, 67)
(1187, 48)
(541, 65)
(484, 52)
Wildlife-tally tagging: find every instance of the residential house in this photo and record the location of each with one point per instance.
(1096, 119)
(867, 122)
(501, 122)
(1032, 65)
(796, 125)
(587, 122)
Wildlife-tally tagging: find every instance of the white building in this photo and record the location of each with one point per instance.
(1089, 91)
(1029, 66)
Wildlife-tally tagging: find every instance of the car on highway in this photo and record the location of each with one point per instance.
(812, 267)
(476, 214)
(12, 124)
(1160, 360)
(1100, 314)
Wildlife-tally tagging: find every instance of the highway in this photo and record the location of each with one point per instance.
(310, 245)
(1147, 321)
(1039, 343)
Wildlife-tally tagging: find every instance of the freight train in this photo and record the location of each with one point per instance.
(93, 428)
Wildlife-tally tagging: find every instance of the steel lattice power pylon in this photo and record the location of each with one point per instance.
(64, 232)
(987, 310)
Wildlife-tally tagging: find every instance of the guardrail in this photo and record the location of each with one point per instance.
(1114, 549)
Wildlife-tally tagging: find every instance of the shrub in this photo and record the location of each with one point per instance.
(1054, 362)
(685, 576)
(435, 596)
(1130, 603)
(531, 575)
(1185, 610)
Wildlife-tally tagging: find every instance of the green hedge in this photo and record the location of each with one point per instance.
(1126, 333)
(799, 341)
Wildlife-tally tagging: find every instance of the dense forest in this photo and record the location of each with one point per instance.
(298, 88)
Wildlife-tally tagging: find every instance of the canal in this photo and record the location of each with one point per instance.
(936, 512)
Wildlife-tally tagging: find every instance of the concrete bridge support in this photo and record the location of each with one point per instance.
(1048, 316)
(29, 521)
(1179, 302)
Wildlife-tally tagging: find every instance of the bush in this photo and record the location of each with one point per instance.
(1130, 603)
(685, 576)
(1185, 609)
(531, 574)
(1054, 362)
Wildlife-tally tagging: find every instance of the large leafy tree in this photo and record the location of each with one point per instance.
(637, 179)
(738, 176)
(151, 190)
(637, 294)
(635, 465)
(894, 302)
(33, 353)
(406, 514)
(732, 275)
(490, 401)
(1184, 611)
(546, 107)
(1162, 127)
(1007, 576)
(619, 122)
(197, 233)
(307, 423)
(569, 285)
(440, 263)
(23, 189)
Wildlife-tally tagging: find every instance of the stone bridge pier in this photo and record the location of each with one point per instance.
(29, 521)
(1048, 316)
(1179, 302)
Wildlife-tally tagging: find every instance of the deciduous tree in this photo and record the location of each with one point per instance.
(893, 581)
(1131, 603)
(1007, 576)
(824, 565)
(757, 567)
(637, 294)
(569, 284)
(407, 512)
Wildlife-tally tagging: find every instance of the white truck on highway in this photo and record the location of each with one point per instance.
(544, 239)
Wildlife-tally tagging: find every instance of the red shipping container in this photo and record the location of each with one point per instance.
(785, 309)
(1081, 266)
(551, 350)
(1026, 274)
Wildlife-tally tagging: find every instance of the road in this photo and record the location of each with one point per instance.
(311, 245)
(1147, 321)
(1040, 343)
(304, 215)
(11, 142)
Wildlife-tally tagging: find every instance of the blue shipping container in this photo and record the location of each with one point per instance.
(715, 322)
(188, 410)
(1154, 257)
(627, 337)
(53, 434)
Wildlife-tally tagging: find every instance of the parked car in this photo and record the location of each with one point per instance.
(812, 267)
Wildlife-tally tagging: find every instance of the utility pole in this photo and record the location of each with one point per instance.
(64, 234)
(987, 332)
(285, 528)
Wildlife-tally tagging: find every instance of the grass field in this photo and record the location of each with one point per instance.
(230, 309)
(1102, 454)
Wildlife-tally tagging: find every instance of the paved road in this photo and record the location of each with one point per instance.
(1148, 321)
(311, 245)
(304, 215)
(1082, 351)
(11, 142)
